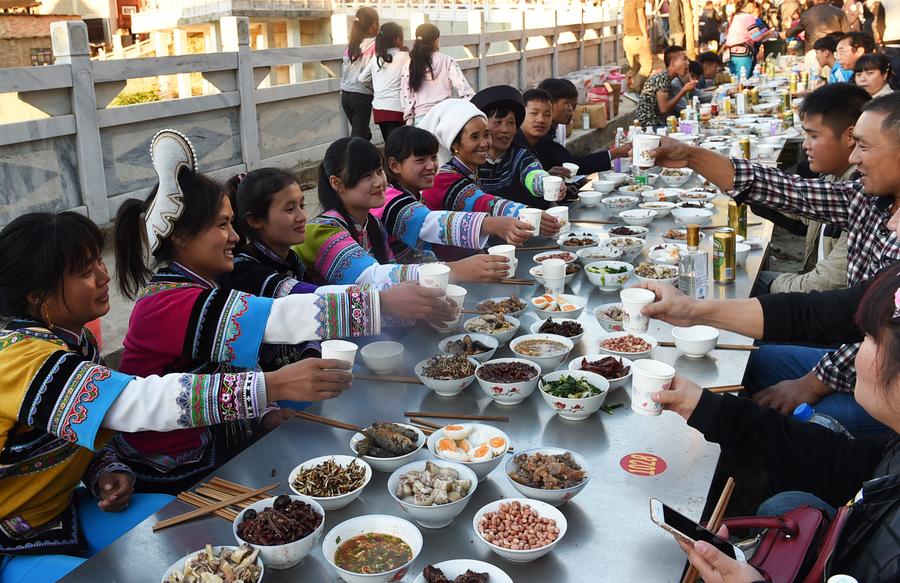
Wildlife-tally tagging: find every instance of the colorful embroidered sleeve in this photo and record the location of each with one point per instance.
(333, 256)
(454, 192)
(104, 462)
(255, 278)
(351, 311)
(531, 175)
(413, 223)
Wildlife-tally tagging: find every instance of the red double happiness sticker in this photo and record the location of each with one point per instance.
(643, 464)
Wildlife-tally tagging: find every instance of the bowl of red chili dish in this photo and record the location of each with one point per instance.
(377, 548)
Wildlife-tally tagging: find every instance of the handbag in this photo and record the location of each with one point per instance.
(794, 547)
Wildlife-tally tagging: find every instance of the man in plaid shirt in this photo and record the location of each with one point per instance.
(862, 207)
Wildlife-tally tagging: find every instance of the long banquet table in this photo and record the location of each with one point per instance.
(610, 536)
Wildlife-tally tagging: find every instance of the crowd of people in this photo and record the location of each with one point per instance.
(235, 287)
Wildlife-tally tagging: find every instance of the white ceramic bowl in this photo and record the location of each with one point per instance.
(685, 216)
(484, 432)
(553, 497)
(571, 315)
(283, 556)
(634, 190)
(604, 186)
(661, 194)
(388, 464)
(485, 339)
(630, 246)
(629, 230)
(695, 341)
(681, 241)
(514, 313)
(589, 198)
(616, 204)
(684, 204)
(741, 253)
(576, 409)
(509, 393)
(535, 329)
(456, 567)
(638, 217)
(668, 255)
(436, 516)
(599, 253)
(547, 363)
(332, 502)
(608, 281)
(217, 549)
(444, 388)
(608, 324)
(576, 248)
(673, 280)
(613, 383)
(372, 523)
(542, 509)
(629, 355)
(696, 196)
(502, 337)
(662, 208)
(382, 357)
(682, 176)
(537, 272)
(541, 257)
(617, 177)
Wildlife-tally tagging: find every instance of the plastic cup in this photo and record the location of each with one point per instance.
(551, 187)
(508, 251)
(513, 266)
(561, 214)
(458, 295)
(554, 285)
(554, 268)
(533, 218)
(640, 145)
(434, 275)
(339, 350)
(572, 168)
(633, 299)
(648, 377)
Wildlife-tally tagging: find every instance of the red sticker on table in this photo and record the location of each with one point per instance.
(643, 464)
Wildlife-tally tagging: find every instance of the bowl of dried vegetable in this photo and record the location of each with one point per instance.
(574, 395)
(334, 481)
(387, 446)
(447, 375)
(284, 529)
(615, 369)
(238, 563)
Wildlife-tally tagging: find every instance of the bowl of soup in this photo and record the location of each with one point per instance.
(377, 548)
(548, 351)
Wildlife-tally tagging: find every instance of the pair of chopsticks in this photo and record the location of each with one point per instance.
(460, 416)
(212, 508)
(708, 227)
(515, 281)
(342, 425)
(538, 248)
(668, 344)
(726, 389)
(217, 490)
(386, 378)
(715, 521)
(593, 222)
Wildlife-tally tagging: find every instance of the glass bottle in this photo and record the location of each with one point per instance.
(693, 267)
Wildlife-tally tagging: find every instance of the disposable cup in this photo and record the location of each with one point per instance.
(551, 187)
(553, 268)
(533, 218)
(640, 145)
(434, 275)
(648, 377)
(633, 299)
(339, 350)
(554, 285)
(458, 295)
(572, 168)
(508, 251)
(513, 266)
(561, 214)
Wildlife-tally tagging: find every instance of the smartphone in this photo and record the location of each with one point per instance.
(687, 530)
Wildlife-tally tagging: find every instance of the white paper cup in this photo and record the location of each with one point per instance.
(551, 187)
(508, 251)
(513, 266)
(561, 214)
(648, 377)
(640, 145)
(554, 285)
(553, 268)
(633, 299)
(533, 218)
(457, 294)
(339, 350)
(572, 168)
(434, 275)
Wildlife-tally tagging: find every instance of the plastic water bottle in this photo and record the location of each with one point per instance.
(805, 412)
(619, 140)
(625, 163)
(743, 75)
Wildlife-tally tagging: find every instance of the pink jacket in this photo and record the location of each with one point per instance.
(435, 88)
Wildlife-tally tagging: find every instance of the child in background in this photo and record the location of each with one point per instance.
(384, 72)
(356, 96)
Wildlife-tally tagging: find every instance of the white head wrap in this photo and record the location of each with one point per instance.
(170, 151)
(446, 120)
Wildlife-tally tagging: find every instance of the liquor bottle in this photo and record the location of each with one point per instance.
(693, 267)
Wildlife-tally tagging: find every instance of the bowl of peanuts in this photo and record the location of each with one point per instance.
(518, 529)
(628, 344)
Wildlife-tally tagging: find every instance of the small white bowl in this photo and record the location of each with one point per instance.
(514, 313)
(576, 248)
(696, 196)
(555, 498)
(436, 516)
(509, 393)
(589, 198)
(599, 253)
(608, 281)
(574, 409)
(604, 186)
(608, 324)
(456, 567)
(388, 464)
(382, 357)
(217, 550)
(682, 137)
(485, 339)
(629, 355)
(741, 253)
(662, 208)
(547, 363)
(537, 272)
(613, 383)
(485, 432)
(541, 257)
(695, 341)
(617, 177)
(288, 555)
(634, 190)
(680, 241)
(372, 523)
(638, 217)
(673, 280)
(332, 502)
(571, 315)
(542, 509)
(536, 329)
(661, 194)
(684, 174)
(685, 216)
(502, 337)
(616, 204)
(668, 255)
(684, 204)
(444, 388)
(629, 230)
(630, 246)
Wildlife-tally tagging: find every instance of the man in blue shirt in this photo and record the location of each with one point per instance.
(850, 47)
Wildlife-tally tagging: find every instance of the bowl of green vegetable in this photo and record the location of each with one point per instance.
(574, 394)
(608, 275)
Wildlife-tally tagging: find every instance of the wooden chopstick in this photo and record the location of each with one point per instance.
(424, 429)
(593, 222)
(708, 227)
(514, 281)
(455, 416)
(211, 508)
(538, 248)
(386, 378)
(715, 521)
(726, 389)
(327, 421)
(200, 502)
(668, 344)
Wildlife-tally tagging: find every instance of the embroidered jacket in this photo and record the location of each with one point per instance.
(517, 175)
(456, 188)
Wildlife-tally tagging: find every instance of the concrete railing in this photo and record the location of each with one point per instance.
(89, 157)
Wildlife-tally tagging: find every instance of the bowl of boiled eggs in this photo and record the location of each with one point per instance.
(478, 446)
